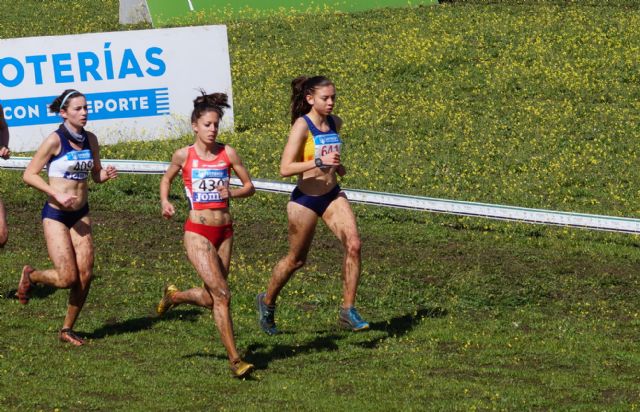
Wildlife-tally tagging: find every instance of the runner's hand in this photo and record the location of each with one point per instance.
(331, 159)
(5, 153)
(65, 200)
(168, 210)
(112, 173)
(224, 192)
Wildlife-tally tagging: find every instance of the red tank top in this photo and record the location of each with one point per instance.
(201, 177)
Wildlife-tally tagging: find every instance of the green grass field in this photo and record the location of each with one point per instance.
(524, 104)
(166, 12)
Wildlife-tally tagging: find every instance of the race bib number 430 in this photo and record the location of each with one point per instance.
(204, 183)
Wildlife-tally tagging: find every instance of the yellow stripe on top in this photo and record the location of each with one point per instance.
(320, 143)
(309, 149)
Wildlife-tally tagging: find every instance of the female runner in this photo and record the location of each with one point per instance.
(206, 167)
(5, 153)
(71, 154)
(312, 153)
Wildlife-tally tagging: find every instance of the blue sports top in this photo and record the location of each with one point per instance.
(320, 143)
(70, 163)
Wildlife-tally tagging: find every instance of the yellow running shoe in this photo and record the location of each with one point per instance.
(240, 368)
(166, 302)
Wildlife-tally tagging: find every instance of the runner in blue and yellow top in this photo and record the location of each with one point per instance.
(71, 155)
(312, 153)
(206, 168)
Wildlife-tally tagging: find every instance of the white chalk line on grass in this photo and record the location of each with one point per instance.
(456, 207)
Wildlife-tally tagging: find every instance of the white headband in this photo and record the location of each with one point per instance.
(66, 97)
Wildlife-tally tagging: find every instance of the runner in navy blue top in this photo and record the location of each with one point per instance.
(71, 155)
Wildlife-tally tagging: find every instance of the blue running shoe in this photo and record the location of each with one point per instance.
(266, 315)
(350, 319)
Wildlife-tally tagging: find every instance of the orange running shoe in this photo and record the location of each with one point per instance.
(25, 285)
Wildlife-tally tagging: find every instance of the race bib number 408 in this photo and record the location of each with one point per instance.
(204, 183)
(80, 163)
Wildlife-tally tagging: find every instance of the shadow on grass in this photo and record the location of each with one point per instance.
(204, 355)
(401, 325)
(37, 292)
(394, 327)
(321, 343)
(141, 323)
(262, 359)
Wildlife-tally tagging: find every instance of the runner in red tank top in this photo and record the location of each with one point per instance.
(202, 176)
(208, 236)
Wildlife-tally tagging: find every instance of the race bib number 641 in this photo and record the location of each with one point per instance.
(327, 143)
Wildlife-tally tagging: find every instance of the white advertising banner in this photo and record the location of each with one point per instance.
(140, 85)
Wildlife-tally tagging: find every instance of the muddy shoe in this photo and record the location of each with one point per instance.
(166, 302)
(350, 319)
(266, 315)
(240, 368)
(25, 285)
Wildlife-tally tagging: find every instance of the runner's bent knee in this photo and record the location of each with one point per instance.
(221, 295)
(86, 276)
(353, 245)
(68, 277)
(295, 262)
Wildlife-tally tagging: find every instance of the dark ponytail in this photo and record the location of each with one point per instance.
(301, 87)
(62, 102)
(214, 102)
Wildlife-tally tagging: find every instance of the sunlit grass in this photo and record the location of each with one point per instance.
(534, 104)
